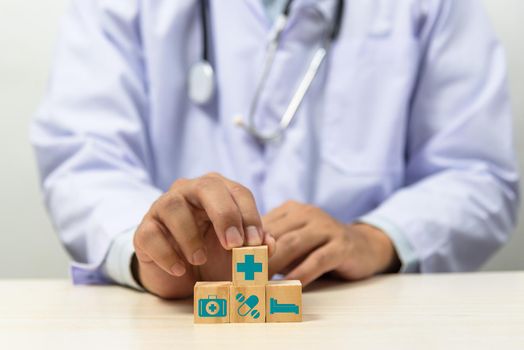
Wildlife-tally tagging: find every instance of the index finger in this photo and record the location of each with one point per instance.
(251, 219)
(212, 195)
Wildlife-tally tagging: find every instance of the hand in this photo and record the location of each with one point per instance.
(311, 243)
(188, 232)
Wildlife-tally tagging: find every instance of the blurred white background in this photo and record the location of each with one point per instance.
(28, 245)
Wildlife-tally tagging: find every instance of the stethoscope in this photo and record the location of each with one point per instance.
(201, 78)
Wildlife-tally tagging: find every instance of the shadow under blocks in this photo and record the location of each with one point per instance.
(250, 297)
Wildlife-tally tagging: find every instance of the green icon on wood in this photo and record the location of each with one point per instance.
(212, 307)
(247, 306)
(249, 267)
(276, 308)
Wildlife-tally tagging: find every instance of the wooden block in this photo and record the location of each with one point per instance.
(247, 304)
(284, 301)
(250, 266)
(211, 302)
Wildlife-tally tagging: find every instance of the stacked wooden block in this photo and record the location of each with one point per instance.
(250, 298)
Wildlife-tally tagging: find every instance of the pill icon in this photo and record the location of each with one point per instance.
(248, 305)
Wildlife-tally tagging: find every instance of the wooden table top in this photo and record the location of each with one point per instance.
(463, 311)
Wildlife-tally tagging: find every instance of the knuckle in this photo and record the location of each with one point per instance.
(160, 202)
(138, 241)
(291, 203)
(156, 204)
(309, 208)
(241, 190)
(320, 259)
(144, 234)
(174, 201)
(178, 183)
(213, 174)
(205, 183)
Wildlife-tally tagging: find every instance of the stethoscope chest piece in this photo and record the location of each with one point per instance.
(201, 82)
(202, 76)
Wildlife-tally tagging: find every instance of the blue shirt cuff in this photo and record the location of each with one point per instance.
(406, 253)
(87, 274)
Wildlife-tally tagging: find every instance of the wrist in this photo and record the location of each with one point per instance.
(135, 270)
(382, 249)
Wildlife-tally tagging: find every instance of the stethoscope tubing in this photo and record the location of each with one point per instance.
(303, 87)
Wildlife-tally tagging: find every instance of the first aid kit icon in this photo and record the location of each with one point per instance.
(212, 307)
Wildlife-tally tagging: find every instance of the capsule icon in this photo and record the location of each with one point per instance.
(248, 305)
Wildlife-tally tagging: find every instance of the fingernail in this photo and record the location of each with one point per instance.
(199, 257)
(233, 237)
(178, 269)
(253, 236)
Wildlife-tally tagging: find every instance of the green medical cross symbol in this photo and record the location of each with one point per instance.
(249, 267)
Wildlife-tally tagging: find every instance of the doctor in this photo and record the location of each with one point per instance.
(351, 137)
